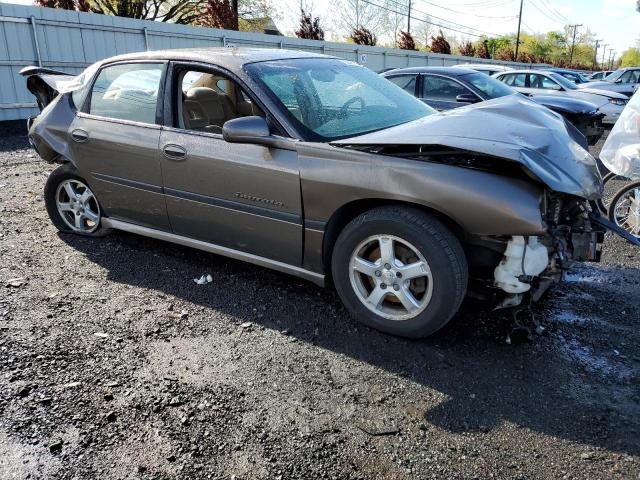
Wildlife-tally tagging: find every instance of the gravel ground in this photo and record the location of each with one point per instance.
(115, 364)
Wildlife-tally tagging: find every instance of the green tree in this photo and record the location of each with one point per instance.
(630, 57)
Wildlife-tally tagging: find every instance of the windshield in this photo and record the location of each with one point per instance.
(329, 99)
(568, 84)
(614, 76)
(491, 87)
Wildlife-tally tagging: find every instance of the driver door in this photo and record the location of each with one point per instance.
(242, 196)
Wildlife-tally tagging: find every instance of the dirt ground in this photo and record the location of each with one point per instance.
(114, 364)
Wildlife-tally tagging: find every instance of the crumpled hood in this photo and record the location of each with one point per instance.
(593, 89)
(566, 104)
(513, 128)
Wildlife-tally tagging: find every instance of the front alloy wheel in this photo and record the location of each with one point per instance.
(391, 277)
(398, 269)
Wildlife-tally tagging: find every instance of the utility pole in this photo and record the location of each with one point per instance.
(519, 23)
(611, 57)
(573, 42)
(595, 54)
(409, 18)
(604, 49)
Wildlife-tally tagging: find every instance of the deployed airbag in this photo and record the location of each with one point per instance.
(621, 151)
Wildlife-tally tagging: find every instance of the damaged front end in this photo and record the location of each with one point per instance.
(530, 265)
(513, 138)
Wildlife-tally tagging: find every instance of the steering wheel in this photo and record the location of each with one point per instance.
(348, 103)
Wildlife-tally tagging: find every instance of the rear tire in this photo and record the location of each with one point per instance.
(71, 205)
(400, 270)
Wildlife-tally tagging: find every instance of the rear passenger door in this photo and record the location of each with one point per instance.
(115, 142)
(242, 196)
(443, 93)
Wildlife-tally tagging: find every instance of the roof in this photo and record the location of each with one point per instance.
(449, 71)
(232, 58)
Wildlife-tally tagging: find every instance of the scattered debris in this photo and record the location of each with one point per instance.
(204, 279)
(15, 282)
(246, 325)
(56, 446)
(101, 335)
(71, 385)
(111, 417)
(378, 431)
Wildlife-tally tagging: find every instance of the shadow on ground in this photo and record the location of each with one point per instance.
(487, 381)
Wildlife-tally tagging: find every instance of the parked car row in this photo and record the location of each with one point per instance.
(447, 88)
(321, 168)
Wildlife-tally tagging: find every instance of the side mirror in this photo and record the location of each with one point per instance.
(619, 80)
(467, 98)
(254, 130)
(246, 130)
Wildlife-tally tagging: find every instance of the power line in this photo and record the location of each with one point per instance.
(555, 20)
(553, 10)
(428, 22)
(474, 14)
(484, 32)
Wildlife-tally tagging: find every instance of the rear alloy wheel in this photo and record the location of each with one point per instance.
(399, 270)
(624, 209)
(71, 204)
(77, 206)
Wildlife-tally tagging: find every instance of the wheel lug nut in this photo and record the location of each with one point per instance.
(378, 273)
(398, 274)
(396, 287)
(387, 266)
(383, 286)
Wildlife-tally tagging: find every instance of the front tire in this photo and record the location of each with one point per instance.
(71, 205)
(400, 270)
(624, 209)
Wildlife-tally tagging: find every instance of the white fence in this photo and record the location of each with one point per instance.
(69, 41)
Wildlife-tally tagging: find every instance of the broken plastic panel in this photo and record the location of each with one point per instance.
(621, 151)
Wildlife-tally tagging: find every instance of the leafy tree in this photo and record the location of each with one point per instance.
(439, 44)
(395, 19)
(176, 11)
(406, 42)
(79, 5)
(630, 58)
(363, 36)
(467, 49)
(310, 28)
(218, 14)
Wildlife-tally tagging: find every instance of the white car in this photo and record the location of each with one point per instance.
(485, 67)
(531, 82)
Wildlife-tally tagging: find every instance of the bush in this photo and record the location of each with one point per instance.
(439, 44)
(406, 41)
(363, 36)
(310, 28)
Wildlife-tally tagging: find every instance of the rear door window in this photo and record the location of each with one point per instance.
(405, 82)
(127, 92)
(537, 80)
(442, 88)
(515, 79)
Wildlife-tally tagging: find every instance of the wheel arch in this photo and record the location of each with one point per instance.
(347, 212)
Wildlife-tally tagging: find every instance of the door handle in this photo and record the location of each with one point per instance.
(174, 152)
(79, 135)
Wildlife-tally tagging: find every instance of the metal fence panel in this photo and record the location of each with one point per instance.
(69, 41)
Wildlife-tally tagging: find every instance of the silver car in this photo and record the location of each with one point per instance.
(594, 77)
(531, 82)
(320, 168)
(625, 81)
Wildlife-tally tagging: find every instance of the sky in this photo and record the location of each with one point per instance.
(615, 22)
